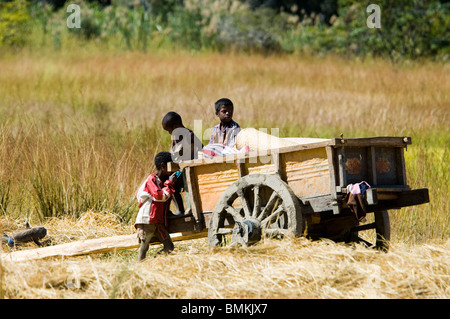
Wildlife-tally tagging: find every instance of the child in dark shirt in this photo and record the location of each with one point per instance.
(185, 147)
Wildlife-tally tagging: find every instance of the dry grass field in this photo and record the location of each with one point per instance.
(296, 268)
(78, 131)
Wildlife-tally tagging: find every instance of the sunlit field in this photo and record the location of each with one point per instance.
(79, 130)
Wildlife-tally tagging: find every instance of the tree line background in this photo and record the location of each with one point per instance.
(410, 29)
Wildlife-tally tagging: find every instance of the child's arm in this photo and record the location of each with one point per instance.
(213, 135)
(149, 190)
(161, 194)
(142, 195)
(232, 135)
(196, 146)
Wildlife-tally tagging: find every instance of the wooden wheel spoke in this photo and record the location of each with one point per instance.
(244, 202)
(257, 201)
(224, 231)
(271, 216)
(273, 200)
(235, 213)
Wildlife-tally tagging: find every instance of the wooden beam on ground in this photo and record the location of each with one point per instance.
(89, 246)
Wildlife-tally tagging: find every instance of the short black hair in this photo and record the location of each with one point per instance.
(171, 119)
(162, 157)
(222, 102)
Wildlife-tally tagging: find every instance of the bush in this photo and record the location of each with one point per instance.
(258, 30)
(409, 28)
(185, 28)
(14, 22)
(226, 25)
(91, 20)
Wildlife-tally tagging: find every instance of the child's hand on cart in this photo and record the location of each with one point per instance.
(174, 177)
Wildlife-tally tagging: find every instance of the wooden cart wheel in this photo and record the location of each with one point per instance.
(258, 205)
(382, 234)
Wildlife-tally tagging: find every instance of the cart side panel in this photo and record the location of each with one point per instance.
(389, 166)
(307, 172)
(379, 166)
(213, 180)
(260, 165)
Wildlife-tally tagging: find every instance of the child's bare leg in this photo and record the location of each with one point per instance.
(143, 249)
(168, 247)
(164, 237)
(145, 234)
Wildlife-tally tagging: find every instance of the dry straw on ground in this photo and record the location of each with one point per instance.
(296, 268)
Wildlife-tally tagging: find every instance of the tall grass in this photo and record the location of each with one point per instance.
(79, 129)
(53, 173)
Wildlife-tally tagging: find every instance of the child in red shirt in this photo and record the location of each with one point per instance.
(154, 197)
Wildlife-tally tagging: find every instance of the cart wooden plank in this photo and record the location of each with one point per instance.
(388, 141)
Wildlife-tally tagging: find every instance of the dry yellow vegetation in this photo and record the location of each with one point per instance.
(296, 268)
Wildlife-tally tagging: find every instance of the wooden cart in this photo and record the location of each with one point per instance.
(290, 191)
(297, 190)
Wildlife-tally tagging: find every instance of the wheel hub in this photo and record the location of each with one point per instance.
(247, 232)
